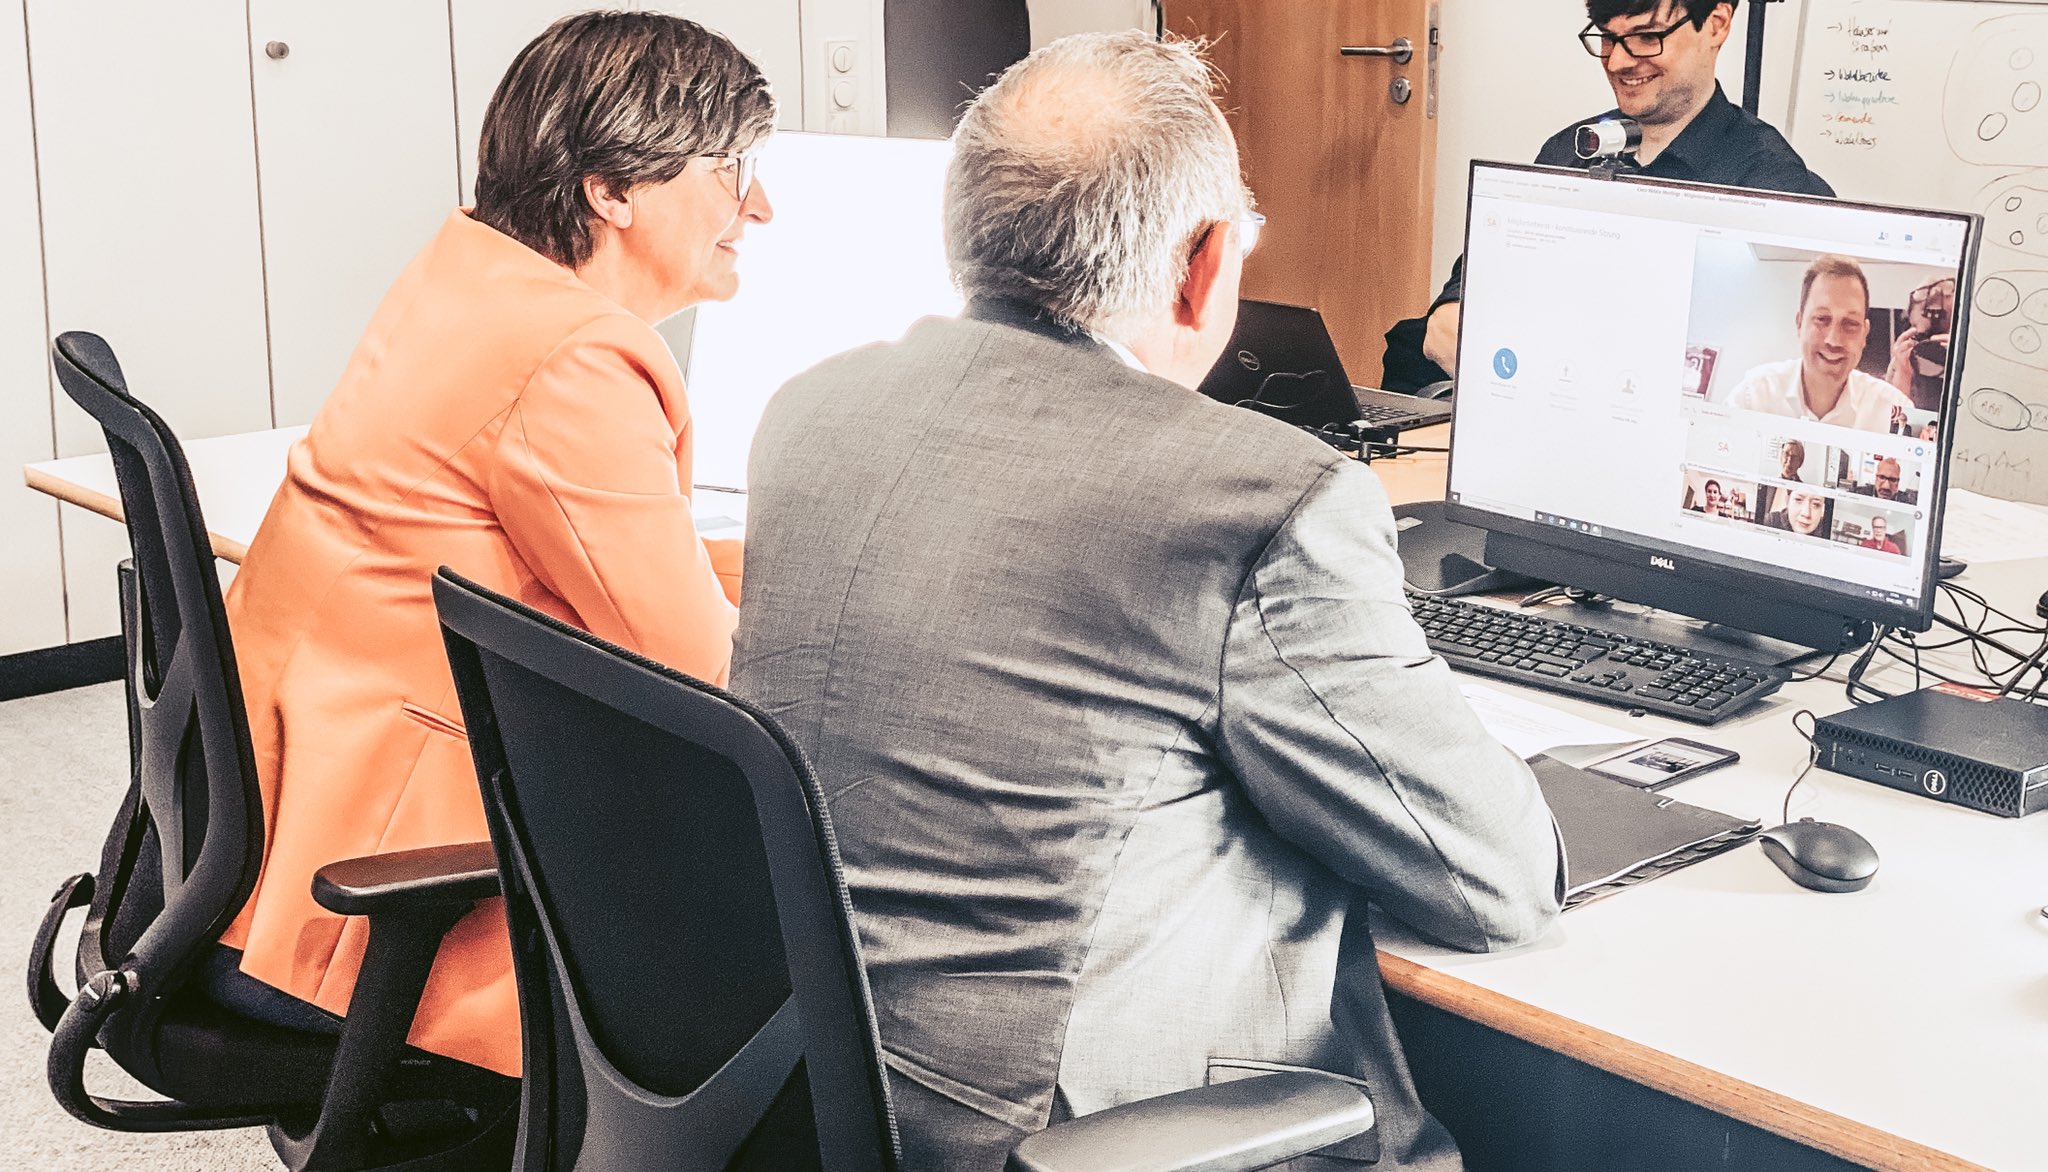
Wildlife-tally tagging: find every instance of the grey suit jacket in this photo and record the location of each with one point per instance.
(1121, 716)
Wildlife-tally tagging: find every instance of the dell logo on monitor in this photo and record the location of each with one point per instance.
(1662, 563)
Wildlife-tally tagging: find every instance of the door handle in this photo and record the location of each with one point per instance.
(1402, 50)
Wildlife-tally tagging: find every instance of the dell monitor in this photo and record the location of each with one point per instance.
(1728, 404)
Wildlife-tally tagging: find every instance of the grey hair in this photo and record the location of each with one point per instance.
(1082, 179)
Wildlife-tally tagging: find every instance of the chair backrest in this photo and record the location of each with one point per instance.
(185, 852)
(689, 979)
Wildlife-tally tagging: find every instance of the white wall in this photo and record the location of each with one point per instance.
(1514, 73)
(233, 306)
(1053, 19)
(31, 580)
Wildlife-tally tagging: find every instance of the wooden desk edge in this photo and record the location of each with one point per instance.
(1718, 1092)
(106, 506)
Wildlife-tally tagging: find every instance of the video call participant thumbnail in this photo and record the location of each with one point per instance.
(1716, 496)
(1885, 483)
(1791, 460)
(1831, 323)
(1797, 510)
(1878, 538)
(1869, 527)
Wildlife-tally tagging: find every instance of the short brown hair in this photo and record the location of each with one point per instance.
(1833, 266)
(627, 97)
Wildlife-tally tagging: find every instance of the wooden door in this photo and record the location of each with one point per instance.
(1345, 173)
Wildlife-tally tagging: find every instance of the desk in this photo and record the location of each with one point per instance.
(236, 475)
(1421, 476)
(1721, 983)
(1930, 989)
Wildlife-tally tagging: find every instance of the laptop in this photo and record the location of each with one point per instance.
(1281, 361)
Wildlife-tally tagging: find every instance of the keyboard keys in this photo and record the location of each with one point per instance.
(1586, 662)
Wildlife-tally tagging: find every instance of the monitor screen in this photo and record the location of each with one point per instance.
(855, 253)
(1735, 392)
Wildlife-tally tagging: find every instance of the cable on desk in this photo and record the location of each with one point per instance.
(1812, 759)
(1853, 684)
(1575, 595)
(1817, 672)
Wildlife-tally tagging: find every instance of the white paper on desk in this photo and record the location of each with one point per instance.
(1529, 728)
(1982, 529)
(718, 512)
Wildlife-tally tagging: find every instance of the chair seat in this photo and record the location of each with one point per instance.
(211, 1056)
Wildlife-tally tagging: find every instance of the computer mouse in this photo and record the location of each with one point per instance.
(1821, 855)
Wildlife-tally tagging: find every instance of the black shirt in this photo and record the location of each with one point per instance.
(1723, 144)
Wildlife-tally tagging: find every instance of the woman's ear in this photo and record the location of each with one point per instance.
(615, 210)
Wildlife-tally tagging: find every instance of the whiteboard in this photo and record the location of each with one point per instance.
(1944, 104)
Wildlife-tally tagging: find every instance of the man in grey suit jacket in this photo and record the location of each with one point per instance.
(1112, 689)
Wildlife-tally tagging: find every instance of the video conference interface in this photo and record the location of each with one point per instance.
(1699, 371)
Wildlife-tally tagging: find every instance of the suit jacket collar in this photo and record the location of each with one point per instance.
(1023, 315)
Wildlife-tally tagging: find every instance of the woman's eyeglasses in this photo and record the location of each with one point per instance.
(738, 170)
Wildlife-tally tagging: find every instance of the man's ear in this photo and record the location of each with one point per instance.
(613, 209)
(1719, 23)
(1201, 291)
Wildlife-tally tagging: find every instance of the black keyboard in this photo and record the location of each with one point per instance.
(1591, 664)
(1375, 415)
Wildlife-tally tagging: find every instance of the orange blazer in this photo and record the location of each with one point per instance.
(503, 418)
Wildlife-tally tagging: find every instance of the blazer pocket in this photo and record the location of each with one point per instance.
(446, 726)
(1359, 1149)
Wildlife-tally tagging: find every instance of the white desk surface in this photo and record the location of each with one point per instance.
(1903, 1026)
(1917, 1007)
(236, 475)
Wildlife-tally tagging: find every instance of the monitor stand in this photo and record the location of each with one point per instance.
(1446, 558)
(1694, 635)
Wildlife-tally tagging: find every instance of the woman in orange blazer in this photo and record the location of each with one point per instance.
(510, 412)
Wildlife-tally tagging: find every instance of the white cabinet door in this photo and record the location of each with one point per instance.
(31, 572)
(146, 145)
(489, 34)
(355, 137)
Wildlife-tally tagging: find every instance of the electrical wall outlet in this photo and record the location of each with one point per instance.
(843, 86)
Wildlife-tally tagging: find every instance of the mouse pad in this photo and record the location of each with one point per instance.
(1617, 836)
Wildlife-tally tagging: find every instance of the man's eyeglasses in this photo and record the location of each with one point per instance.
(738, 169)
(1641, 43)
(1249, 226)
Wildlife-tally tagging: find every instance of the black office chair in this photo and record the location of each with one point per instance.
(690, 983)
(182, 859)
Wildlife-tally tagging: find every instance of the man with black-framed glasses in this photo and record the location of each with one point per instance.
(1659, 59)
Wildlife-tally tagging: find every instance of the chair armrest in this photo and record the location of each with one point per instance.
(434, 876)
(1229, 1127)
(412, 899)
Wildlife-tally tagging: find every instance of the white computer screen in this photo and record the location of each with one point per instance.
(1710, 372)
(854, 254)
